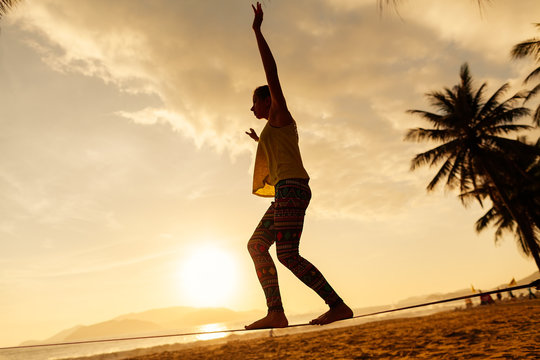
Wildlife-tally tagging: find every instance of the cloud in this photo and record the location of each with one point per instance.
(62, 267)
(348, 74)
(491, 29)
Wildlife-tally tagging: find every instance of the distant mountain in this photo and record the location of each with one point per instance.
(112, 329)
(527, 280)
(160, 316)
(60, 337)
(157, 321)
(463, 292)
(166, 320)
(179, 317)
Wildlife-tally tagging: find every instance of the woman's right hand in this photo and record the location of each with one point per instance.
(257, 21)
(252, 134)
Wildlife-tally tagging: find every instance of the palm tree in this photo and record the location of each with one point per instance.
(5, 5)
(475, 157)
(523, 193)
(530, 47)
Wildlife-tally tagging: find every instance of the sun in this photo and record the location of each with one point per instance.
(208, 277)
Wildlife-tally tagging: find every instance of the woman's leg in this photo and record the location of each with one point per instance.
(292, 200)
(258, 245)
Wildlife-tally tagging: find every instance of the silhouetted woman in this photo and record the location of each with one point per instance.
(279, 173)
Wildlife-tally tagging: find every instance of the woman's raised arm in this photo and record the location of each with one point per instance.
(279, 110)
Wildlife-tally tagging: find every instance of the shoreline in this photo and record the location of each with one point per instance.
(507, 329)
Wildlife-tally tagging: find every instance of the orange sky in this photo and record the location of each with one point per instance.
(123, 155)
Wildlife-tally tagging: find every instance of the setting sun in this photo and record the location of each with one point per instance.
(207, 276)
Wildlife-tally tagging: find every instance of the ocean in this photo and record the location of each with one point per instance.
(58, 352)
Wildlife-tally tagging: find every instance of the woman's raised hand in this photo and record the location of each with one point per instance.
(257, 21)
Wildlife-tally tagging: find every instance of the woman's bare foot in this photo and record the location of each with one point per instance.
(340, 312)
(274, 319)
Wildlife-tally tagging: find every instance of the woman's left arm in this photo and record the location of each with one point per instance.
(252, 134)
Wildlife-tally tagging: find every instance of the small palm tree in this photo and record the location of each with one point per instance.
(530, 47)
(475, 157)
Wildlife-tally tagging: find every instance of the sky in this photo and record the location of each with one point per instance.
(125, 170)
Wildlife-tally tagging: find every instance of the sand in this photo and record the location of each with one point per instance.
(507, 330)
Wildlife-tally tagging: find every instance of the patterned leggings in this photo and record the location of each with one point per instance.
(282, 223)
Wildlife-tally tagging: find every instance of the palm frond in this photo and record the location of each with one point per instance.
(508, 116)
(521, 149)
(507, 128)
(531, 94)
(536, 117)
(486, 220)
(443, 171)
(434, 156)
(472, 174)
(432, 118)
(477, 192)
(457, 170)
(523, 246)
(501, 219)
(493, 101)
(506, 224)
(444, 102)
(527, 48)
(386, 3)
(532, 75)
(421, 134)
(478, 96)
(504, 112)
(6, 5)
(466, 79)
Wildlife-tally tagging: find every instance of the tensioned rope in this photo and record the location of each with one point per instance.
(535, 284)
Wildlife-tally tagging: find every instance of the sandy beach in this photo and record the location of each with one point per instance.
(507, 330)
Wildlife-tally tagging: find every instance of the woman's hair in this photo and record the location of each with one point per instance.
(262, 92)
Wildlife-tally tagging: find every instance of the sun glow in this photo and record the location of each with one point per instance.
(208, 277)
(212, 331)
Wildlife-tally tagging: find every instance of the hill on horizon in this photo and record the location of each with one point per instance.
(463, 292)
(165, 320)
(155, 321)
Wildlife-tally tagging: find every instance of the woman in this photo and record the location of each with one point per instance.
(279, 173)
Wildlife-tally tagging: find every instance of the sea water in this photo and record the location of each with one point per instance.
(57, 352)
(211, 333)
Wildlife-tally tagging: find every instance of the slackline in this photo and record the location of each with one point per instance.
(535, 284)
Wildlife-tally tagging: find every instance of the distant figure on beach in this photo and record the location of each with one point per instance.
(486, 299)
(279, 173)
